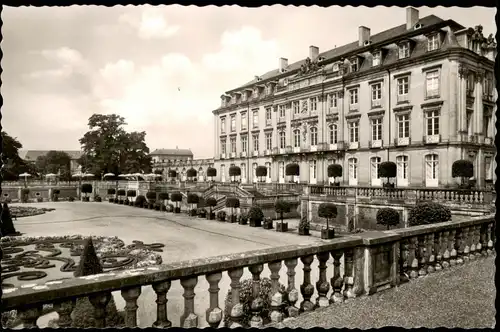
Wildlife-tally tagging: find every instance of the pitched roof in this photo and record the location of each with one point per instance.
(34, 154)
(173, 152)
(339, 51)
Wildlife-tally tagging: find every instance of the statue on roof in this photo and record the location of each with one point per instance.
(308, 67)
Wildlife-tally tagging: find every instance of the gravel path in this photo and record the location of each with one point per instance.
(461, 297)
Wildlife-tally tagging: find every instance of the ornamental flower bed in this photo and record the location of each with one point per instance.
(25, 211)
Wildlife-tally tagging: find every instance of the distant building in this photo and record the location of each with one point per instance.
(32, 156)
(179, 160)
(166, 155)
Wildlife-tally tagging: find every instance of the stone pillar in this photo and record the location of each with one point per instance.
(478, 101)
(462, 101)
(453, 107)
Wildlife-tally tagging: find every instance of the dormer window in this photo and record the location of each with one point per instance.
(377, 58)
(433, 42)
(244, 96)
(404, 50)
(255, 92)
(354, 65)
(335, 67)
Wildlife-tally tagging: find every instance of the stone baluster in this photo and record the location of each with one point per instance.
(336, 281)
(446, 249)
(189, 318)
(479, 241)
(466, 240)
(161, 289)
(307, 289)
(349, 274)
(322, 285)
(438, 250)
(423, 254)
(276, 297)
(460, 245)
(237, 306)
(413, 257)
(100, 302)
(293, 293)
(29, 315)
(430, 253)
(483, 239)
(257, 302)
(214, 313)
(130, 295)
(64, 310)
(473, 242)
(404, 254)
(489, 239)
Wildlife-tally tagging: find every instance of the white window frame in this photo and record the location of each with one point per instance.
(269, 141)
(488, 169)
(376, 94)
(353, 131)
(269, 116)
(403, 88)
(223, 173)
(332, 100)
(281, 112)
(431, 170)
(404, 50)
(402, 165)
(313, 171)
(255, 142)
(432, 119)
(281, 172)
(376, 125)
(353, 96)
(354, 65)
(332, 133)
(313, 136)
(243, 177)
(233, 123)
(296, 138)
(255, 119)
(313, 104)
(374, 165)
(223, 146)
(223, 125)
(244, 143)
(282, 139)
(268, 167)
(353, 171)
(232, 142)
(377, 58)
(432, 83)
(296, 107)
(403, 121)
(433, 42)
(244, 121)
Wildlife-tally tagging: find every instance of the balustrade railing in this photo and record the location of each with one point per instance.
(361, 265)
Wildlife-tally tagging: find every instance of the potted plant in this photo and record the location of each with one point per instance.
(193, 199)
(387, 169)
(131, 194)
(234, 171)
(97, 198)
(292, 170)
(211, 202)
(170, 208)
(268, 223)
(304, 226)
(464, 169)
(71, 199)
(86, 189)
(221, 215)
(261, 173)
(232, 203)
(163, 197)
(328, 211)
(111, 194)
(334, 171)
(157, 206)
(151, 196)
(55, 195)
(243, 219)
(139, 201)
(281, 207)
(25, 195)
(176, 198)
(202, 213)
(387, 217)
(211, 173)
(121, 194)
(255, 216)
(191, 174)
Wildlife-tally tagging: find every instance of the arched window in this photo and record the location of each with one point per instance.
(332, 133)
(402, 169)
(296, 138)
(314, 136)
(374, 164)
(432, 170)
(353, 171)
(282, 139)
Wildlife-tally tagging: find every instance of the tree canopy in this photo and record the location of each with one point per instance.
(107, 147)
(56, 162)
(13, 164)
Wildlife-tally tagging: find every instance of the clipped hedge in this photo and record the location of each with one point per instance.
(387, 217)
(292, 170)
(334, 170)
(193, 199)
(176, 197)
(428, 213)
(163, 196)
(111, 191)
(211, 172)
(121, 192)
(151, 195)
(131, 193)
(140, 201)
(86, 188)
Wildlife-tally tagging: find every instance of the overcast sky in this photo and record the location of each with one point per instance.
(63, 64)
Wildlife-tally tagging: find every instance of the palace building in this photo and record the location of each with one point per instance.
(420, 94)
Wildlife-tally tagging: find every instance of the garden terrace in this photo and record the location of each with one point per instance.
(372, 261)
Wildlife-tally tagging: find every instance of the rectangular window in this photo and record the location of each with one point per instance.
(269, 115)
(377, 57)
(404, 50)
(296, 107)
(282, 140)
(243, 144)
(487, 168)
(432, 83)
(269, 141)
(332, 98)
(255, 142)
(433, 42)
(233, 145)
(313, 102)
(223, 146)
(353, 131)
(377, 129)
(403, 84)
(244, 121)
(354, 65)
(353, 96)
(233, 123)
(223, 125)
(433, 122)
(403, 125)
(376, 94)
(296, 138)
(255, 119)
(402, 169)
(281, 112)
(332, 131)
(486, 125)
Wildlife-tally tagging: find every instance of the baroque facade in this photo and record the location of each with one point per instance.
(421, 95)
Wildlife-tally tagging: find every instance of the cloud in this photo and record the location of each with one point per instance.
(67, 61)
(152, 24)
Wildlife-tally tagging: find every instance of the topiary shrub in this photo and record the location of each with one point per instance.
(191, 173)
(131, 193)
(211, 202)
(71, 199)
(55, 195)
(7, 226)
(387, 169)
(334, 171)
(221, 215)
(387, 217)
(261, 172)
(140, 201)
(176, 197)
(86, 189)
(97, 198)
(172, 173)
(246, 298)
(327, 211)
(463, 169)
(111, 191)
(163, 196)
(24, 195)
(83, 314)
(121, 193)
(292, 170)
(151, 196)
(255, 216)
(211, 172)
(281, 207)
(428, 213)
(234, 171)
(232, 203)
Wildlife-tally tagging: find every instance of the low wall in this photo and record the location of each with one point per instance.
(14, 193)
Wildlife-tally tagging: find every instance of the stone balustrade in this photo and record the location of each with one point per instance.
(371, 261)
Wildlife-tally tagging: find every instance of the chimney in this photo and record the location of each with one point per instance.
(313, 53)
(364, 35)
(411, 17)
(283, 64)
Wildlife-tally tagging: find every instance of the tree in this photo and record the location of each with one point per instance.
(387, 169)
(261, 172)
(328, 211)
(108, 148)
(191, 174)
(281, 207)
(13, 164)
(7, 228)
(388, 217)
(234, 171)
(211, 172)
(463, 169)
(334, 171)
(56, 162)
(211, 202)
(292, 170)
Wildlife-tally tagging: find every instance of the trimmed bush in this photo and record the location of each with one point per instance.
(7, 226)
(255, 216)
(176, 197)
(163, 196)
(86, 188)
(158, 172)
(233, 203)
(140, 201)
(97, 198)
(211, 172)
(172, 173)
(191, 173)
(281, 207)
(71, 199)
(221, 215)
(327, 211)
(193, 199)
(261, 172)
(211, 202)
(334, 171)
(56, 191)
(131, 193)
(121, 192)
(234, 171)
(24, 195)
(111, 191)
(387, 217)
(463, 169)
(387, 169)
(428, 213)
(151, 195)
(246, 298)
(292, 170)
